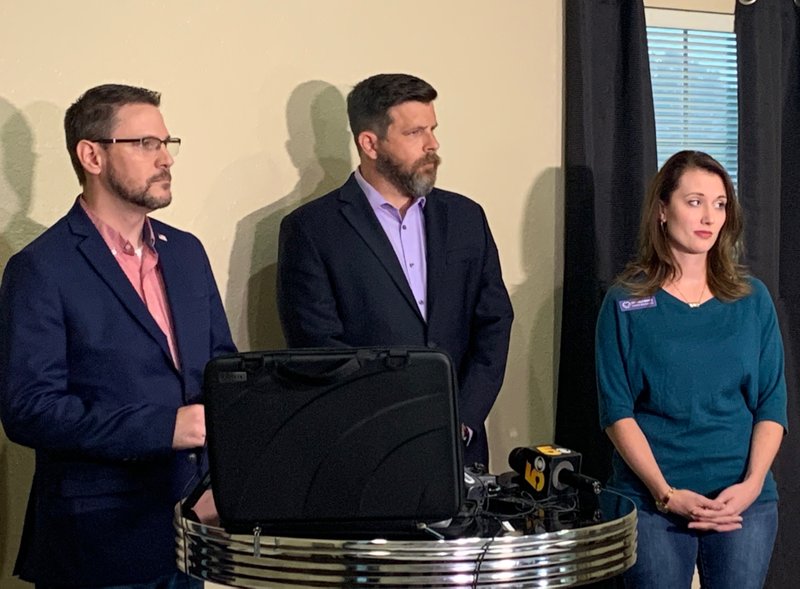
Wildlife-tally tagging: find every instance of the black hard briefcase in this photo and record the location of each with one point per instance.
(333, 441)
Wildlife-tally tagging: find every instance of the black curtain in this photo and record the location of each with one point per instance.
(610, 156)
(769, 189)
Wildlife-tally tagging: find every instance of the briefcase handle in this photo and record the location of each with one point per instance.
(340, 371)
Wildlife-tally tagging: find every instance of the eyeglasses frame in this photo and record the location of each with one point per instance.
(140, 140)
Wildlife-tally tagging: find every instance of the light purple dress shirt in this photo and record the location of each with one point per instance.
(407, 236)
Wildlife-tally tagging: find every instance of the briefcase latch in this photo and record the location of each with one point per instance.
(257, 541)
(396, 359)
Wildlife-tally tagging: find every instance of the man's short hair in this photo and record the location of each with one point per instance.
(369, 102)
(93, 115)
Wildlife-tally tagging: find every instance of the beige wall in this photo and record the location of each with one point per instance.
(256, 91)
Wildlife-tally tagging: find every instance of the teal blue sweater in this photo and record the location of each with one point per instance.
(695, 380)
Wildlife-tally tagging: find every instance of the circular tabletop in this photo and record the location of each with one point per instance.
(594, 539)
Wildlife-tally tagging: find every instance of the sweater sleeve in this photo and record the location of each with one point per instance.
(615, 398)
(771, 402)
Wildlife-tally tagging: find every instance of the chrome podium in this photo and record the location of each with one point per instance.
(544, 552)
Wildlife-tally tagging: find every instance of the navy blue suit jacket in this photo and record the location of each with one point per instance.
(87, 380)
(340, 284)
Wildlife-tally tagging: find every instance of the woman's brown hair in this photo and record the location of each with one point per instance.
(655, 265)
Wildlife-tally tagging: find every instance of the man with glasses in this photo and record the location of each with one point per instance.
(107, 322)
(388, 259)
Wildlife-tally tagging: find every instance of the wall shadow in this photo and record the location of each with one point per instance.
(17, 229)
(17, 166)
(319, 147)
(524, 413)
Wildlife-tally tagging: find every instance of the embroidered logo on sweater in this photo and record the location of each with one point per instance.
(637, 304)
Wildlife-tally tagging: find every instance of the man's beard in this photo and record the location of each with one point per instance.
(141, 197)
(413, 182)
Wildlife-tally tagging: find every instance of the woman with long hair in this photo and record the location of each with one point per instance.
(691, 387)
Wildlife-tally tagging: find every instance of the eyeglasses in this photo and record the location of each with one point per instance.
(150, 143)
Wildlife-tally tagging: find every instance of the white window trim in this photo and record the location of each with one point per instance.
(684, 19)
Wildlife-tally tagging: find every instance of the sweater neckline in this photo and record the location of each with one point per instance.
(675, 301)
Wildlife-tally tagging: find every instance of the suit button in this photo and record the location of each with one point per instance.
(192, 457)
(433, 345)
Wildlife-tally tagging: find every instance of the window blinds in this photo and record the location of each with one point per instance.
(695, 84)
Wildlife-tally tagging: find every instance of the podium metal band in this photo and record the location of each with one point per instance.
(563, 558)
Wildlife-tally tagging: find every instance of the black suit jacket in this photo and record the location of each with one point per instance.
(340, 284)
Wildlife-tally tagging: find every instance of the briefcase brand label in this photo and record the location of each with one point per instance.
(231, 377)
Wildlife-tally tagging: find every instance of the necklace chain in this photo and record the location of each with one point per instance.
(686, 300)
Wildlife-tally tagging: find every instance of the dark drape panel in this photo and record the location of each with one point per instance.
(769, 188)
(610, 156)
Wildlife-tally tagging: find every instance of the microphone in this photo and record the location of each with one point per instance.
(579, 481)
(551, 470)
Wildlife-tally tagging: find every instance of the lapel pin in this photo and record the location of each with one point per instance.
(162, 237)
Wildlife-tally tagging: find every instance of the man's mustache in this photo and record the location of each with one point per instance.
(162, 177)
(430, 158)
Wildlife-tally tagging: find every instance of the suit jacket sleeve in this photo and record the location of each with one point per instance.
(484, 367)
(38, 407)
(306, 301)
(221, 342)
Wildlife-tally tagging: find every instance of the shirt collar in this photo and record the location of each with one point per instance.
(114, 240)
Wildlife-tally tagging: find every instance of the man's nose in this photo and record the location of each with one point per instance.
(431, 144)
(165, 159)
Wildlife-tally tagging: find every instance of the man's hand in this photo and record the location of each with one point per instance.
(206, 509)
(190, 428)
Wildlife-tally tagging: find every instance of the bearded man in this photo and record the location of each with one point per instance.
(388, 259)
(107, 322)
